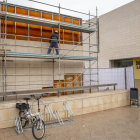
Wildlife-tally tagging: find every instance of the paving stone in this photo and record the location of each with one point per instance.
(115, 124)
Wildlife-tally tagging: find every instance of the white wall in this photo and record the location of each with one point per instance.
(119, 32)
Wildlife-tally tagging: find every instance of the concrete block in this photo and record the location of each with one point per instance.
(35, 78)
(78, 70)
(79, 105)
(69, 64)
(62, 114)
(105, 106)
(22, 78)
(35, 85)
(56, 64)
(11, 63)
(22, 70)
(35, 64)
(8, 114)
(22, 85)
(22, 63)
(77, 111)
(35, 70)
(35, 48)
(90, 102)
(69, 47)
(104, 99)
(57, 106)
(47, 71)
(78, 64)
(90, 109)
(117, 104)
(46, 64)
(6, 124)
(75, 104)
(117, 97)
(46, 78)
(11, 88)
(78, 53)
(69, 70)
(11, 71)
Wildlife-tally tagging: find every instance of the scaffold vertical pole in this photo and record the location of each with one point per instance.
(15, 51)
(5, 46)
(59, 47)
(97, 40)
(89, 55)
(3, 57)
(53, 75)
(29, 40)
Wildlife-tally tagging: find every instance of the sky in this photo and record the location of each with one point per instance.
(85, 6)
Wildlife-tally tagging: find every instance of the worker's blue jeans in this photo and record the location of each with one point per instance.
(53, 44)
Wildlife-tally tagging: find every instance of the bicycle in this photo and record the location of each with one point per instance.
(37, 123)
(38, 127)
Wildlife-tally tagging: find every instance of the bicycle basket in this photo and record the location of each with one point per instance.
(22, 106)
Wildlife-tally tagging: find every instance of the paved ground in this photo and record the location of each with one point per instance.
(115, 124)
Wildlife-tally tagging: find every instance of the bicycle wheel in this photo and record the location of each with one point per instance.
(22, 119)
(38, 129)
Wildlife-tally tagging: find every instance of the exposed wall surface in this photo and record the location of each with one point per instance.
(86, 103)
(119, 32)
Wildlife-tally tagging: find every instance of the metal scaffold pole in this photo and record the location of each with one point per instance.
(97, 40)
(4, 48)
(89, 55)
(53, 75)
(3, 57)
(59, 47)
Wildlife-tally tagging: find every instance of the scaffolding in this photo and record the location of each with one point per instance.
(5, 53)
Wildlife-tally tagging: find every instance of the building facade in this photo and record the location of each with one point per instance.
(120, 36)
(119, 32)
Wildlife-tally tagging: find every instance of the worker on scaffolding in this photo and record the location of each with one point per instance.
(53, 42)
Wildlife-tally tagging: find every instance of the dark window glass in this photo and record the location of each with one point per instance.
(123, 63)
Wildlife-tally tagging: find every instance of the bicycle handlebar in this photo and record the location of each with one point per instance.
(39, 97)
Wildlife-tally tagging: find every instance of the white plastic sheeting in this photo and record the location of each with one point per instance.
(106, 76)
(130, 77)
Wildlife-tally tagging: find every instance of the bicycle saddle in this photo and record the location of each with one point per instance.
(26, 98)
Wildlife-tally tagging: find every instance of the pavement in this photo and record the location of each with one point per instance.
(115, 124)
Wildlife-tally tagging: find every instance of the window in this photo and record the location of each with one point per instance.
(123, 63)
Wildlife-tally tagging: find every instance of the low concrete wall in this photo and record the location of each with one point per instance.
(79, 103)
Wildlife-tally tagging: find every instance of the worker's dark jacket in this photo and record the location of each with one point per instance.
(55, 37)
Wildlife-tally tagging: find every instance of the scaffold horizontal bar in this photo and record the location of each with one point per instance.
(42, 74)
(37, 47)
(45, 22)
(59, 7)
(53, 89)
(33, 55)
